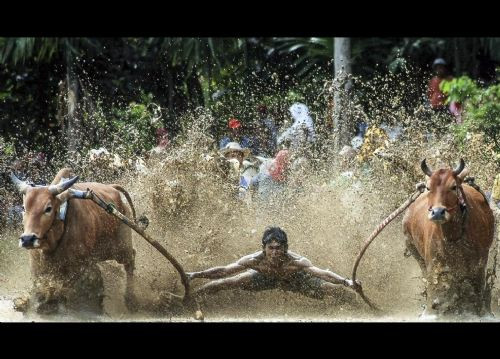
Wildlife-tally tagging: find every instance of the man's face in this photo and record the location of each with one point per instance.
(275, 252)
(236, 155)
(440, 70)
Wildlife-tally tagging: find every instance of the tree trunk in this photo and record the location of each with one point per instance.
(170, 93)
(342, 87)
(73, 130)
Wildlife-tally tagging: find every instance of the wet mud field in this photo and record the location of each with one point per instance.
(326, 215)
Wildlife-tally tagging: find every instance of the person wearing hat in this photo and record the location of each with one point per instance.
(236, 154)
(436, 97)
(235, 135)
(233, 150)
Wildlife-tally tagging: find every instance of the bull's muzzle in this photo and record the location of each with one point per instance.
(438, 214)
(29, 241)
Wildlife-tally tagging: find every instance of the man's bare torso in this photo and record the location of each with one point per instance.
(291, 264)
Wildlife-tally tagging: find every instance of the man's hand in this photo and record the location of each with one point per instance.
(353, 285)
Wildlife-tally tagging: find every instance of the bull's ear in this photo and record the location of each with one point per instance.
(71, 193)
(63, 197)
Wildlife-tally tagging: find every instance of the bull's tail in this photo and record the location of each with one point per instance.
(143, 221)
(124, 191)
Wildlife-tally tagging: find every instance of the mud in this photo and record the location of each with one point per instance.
(327, 214)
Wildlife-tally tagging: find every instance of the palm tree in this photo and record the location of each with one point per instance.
(44, 49)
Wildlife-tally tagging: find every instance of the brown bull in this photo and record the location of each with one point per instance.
(449, 231)
(64, 249)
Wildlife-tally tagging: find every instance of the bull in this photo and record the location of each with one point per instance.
(67, 237)
(449, 231)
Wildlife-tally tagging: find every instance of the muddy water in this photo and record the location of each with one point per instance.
(326, 221)
(194, 213)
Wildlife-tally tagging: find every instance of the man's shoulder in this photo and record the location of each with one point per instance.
(299, 260)
(249, 258)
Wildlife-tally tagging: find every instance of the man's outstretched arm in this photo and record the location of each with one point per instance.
(242, 264)
(327, 275)
(218, 272)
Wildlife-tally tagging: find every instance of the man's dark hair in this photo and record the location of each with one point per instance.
(274, 234)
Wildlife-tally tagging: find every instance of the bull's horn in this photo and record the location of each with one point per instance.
(426, 168)
(460, 167)
(61, 187)
(22, 186)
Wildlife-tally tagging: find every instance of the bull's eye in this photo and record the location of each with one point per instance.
(48, 209)
(454, 188)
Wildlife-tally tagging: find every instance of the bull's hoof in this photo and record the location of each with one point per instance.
(131, 303)
(48, 308)
(428, 314)
(21, 304)
(199, 315)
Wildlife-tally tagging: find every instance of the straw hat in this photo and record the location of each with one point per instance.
(235, 146)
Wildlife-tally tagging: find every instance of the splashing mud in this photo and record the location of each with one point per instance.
(329, 208)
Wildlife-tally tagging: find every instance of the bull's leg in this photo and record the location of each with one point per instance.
(412, 250)
(483, 290)
(126, 256)
(130, 299)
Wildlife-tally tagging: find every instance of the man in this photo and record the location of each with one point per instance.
(162, 141)
(267, 132)
(274, 267)
(235, 135)
(301, 132)
(235, 154)
(436, 97)
(233, 151)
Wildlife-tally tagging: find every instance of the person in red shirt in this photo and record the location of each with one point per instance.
(279, 168)
(436, 97)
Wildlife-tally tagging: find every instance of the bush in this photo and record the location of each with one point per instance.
(127, 131)
(481, 108)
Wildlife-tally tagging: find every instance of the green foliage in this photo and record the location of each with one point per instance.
(42, 49)
(481, 108)
(134, 127)
(310, 53)
(459, 89)
(126, 130)
(6, 148)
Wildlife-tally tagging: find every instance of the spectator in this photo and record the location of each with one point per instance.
(436, 97)
(162, 141)
(267, 132)
(234, 153)
(301, 133)
(236, 135)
